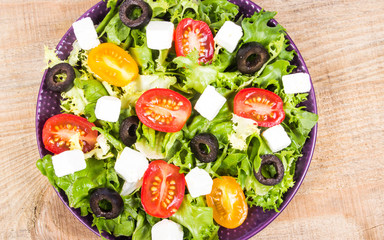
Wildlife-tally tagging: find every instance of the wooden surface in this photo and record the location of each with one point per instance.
(343, 45)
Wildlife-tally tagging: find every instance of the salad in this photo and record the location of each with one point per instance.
(177, 116)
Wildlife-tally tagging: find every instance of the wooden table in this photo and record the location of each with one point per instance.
(342, 196)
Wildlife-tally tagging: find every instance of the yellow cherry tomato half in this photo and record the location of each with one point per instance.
(228, 202)
(113, 64)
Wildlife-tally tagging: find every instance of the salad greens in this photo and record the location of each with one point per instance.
(240, 144)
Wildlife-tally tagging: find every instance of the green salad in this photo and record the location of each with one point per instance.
(174, 119)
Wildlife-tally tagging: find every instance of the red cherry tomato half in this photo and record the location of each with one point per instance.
(59, 129)
(163, 109)
(163, 189)
(191, 34)
(263, 106)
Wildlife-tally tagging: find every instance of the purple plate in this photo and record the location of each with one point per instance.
(48, 105)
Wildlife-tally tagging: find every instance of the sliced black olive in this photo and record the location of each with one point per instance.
(267, 160)
(126, 13)
(251, 57)
(60, 77)
(205, 147)
(106, 203)
(128, 130)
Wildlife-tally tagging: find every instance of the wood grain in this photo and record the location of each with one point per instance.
(342, 43)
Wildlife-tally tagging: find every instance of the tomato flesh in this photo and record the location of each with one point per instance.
(190, 35)
(59, 129)
(163, 109)
(263, 106)
(113, 64)
(228, 202)
(163, 189)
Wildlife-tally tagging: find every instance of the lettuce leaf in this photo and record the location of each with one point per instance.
(141, 53)
(256, 29)
(194, 215)
(78, 185)
(116, 31)
(217, 12)
(198, 77)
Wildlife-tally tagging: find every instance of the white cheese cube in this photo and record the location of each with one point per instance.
(159, 35)
(129, 187)
(85, 33)
(229, 35)
(199, 182)
(276, 137)
(296, 83)
(108, 108)
(210, 103)
(131, 165)
(167, 230)
(68, 162)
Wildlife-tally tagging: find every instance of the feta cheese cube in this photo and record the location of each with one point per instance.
(129, 187)
(276, 137)
(159, 35)
(229, 35)
(85, 33)
(108, 108)
(167, 230)
(296, 83)
(198, 182)
(210, 103)
(68, 162)
(131, 165)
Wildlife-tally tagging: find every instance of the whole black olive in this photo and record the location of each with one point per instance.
(205, 147)
(126, 11)
(251, 57)
(128, 130)
(107, 197)
(58, 83)
(266, 160)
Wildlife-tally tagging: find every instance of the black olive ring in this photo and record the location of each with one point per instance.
(127, 8)
(109, 195)
(128, 130)
(251, 57)
(198, 150)
(270, 159)
(60, 86)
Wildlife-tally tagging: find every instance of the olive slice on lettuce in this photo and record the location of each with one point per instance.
(60, 77)
(106, 203)
(267, 160)
(251, 57)
(135, 13)
(205, 147)
(128, 130)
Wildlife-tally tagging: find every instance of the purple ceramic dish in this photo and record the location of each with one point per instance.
(48, 105)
